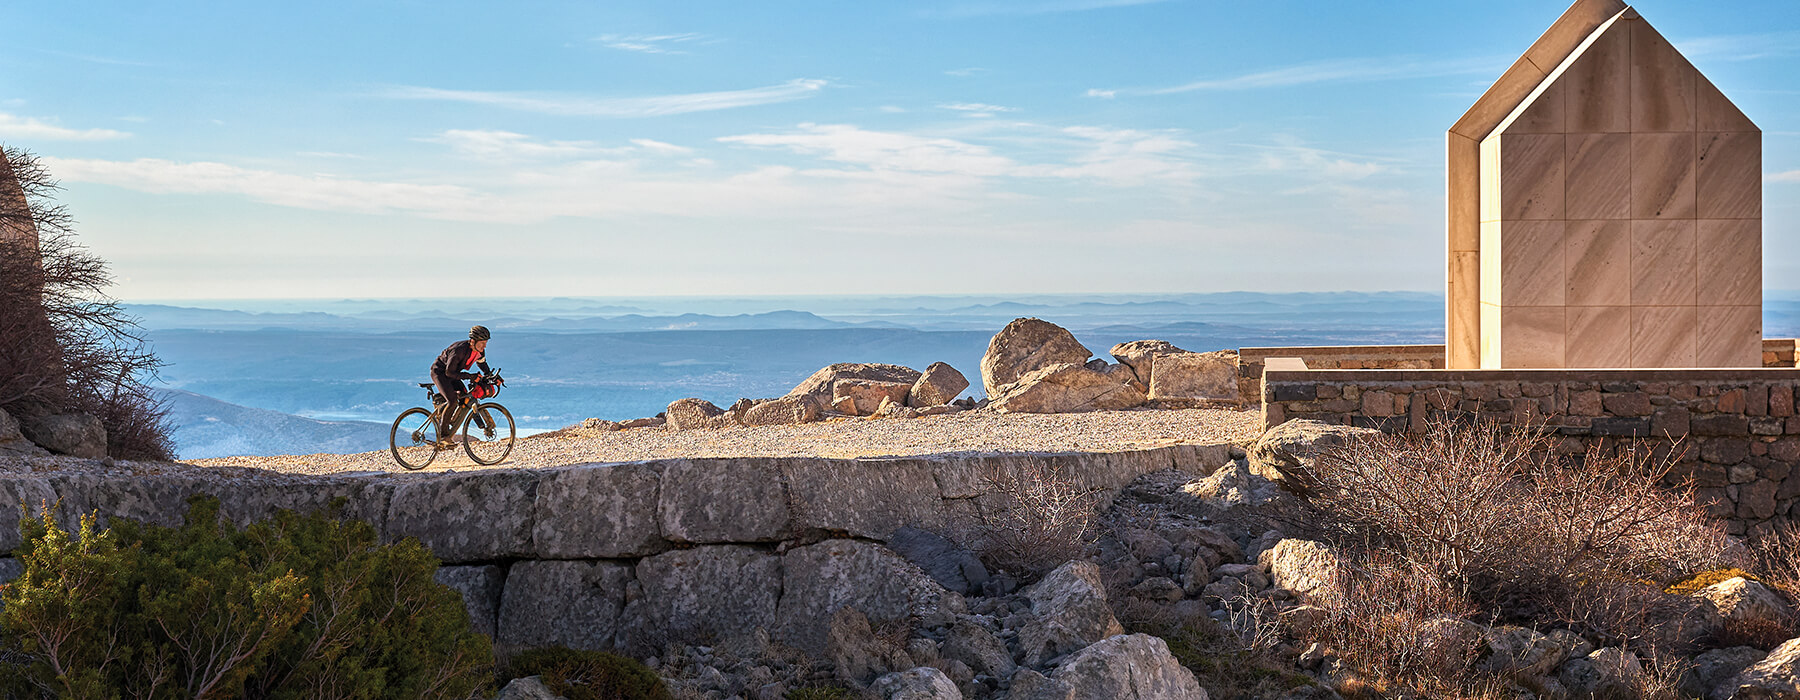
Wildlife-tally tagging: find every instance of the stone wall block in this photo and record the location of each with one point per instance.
(598, 511)
(715, 592)
(467, 517)
(156, 499)
(1670, 423)
(1626, 404)
(1781, 401)
(575, 604)
(1720, 424)
(1585, 403)
(1756, 400)
(1757, 499)
(723, 500)
(1765, 425)
(865, 498)
(24, 496)
(480, 587)
(350, 498)
(819, 579)
(1725, 451)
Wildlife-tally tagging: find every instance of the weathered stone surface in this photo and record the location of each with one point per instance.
(348, 498)
(562, 603)
(480, 587)
(722, 500)
(819, 385)
(1608, 672)
(1025, 346)
(720, 592)
(787, 410)
(922, 683)
(21, 496)
(1140, 356)
(73, 434)
(818, 579)
(1712, 668)
(1740, 600)
(1233, 485)
(475, 516)
(691, 414)
(1068, 613)
(939, 385)
(597, 511)
(1520, 652)
(1285, 450)
(527, 688)
(1124, 375)
(1195, 375)
(1064, 388)
(974, 645)
(10, 569)
(1129, 667)
(13, 442)
(866, 395)
(157, 499)
(852, 649)
(953, 567)
(1775, 676)
(1307, 568)
(1028, 684)
(866, 498)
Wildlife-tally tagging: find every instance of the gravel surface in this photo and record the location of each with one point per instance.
(1110, 431)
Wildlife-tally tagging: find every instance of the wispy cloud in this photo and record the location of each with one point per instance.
(1346, 70)
(647, 106)
(1320, 164)
(650, 43)
(488, 144)
(884, 150)
(1789, 176)
(1740, 47)
(1030, 7)
(12, 126)
(654, 146)
(977, 109)
(303, 191)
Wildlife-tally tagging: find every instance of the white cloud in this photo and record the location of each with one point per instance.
(1740, 47)
(1103, 94)
(1319, 163)
(1346, 70)
(884, 150)
(1789, 176)
(977, 109)
(649, 106)
(660, 147)
(506, 145)
(649, 43)
(322, 192)
(17, 127)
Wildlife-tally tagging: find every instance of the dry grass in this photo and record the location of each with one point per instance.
(1034, 518)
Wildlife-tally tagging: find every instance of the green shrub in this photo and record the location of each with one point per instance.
(294, 606)
(588, 675)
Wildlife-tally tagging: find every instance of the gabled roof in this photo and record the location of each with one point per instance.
(1527, 73)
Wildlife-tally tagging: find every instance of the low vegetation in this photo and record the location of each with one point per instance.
(1034, 518)
(588, 675)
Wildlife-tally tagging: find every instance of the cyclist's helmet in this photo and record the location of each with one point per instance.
(478, 333)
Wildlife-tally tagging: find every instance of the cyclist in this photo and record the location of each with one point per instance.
(451, 368)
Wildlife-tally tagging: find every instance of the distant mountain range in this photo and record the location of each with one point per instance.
(207, 427)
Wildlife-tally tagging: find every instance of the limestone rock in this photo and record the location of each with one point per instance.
(818, 579)
(1195, 375)
(1129, 667)
(867, 498)
(467, 517)
(1068, 612)
(1140, 356)
(722, 500)
(922, 683)
(1125, 375)
(1608, 672)
(722, 592)
(480, 588)
(1024, 346)
(1285, 451)
(851, 647)
(32, 494)
(562, 603)
(1740, 600)
(1776, 676)
(1712, 668)
(1307, 568)
(1520, 652)
(13, 442)
(787, 410)
(939, 385)
(866, 395)
(1233, 485)
(73, 434)
(643, 423)
(974, 645)
(690, 414)
(1064, 388)
(819, 385)
(1028, 684)
(596, 512)
(953, 567)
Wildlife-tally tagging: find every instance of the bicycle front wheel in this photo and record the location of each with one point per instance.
(488, 433)
(414, 439)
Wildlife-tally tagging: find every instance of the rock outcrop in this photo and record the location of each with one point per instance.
(1286, 451)
(1064, 388)
(1140, 356)
(1208, 376)
(1024, 346)
(819, 384)
(939, 385)
(73, 434)
(863, 397)
(690, 414)
(1129, 667)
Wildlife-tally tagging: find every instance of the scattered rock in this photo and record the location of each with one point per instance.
(13, 443)
(73, 434)
(1775, 676)
(1520, 652)
(974, 645)
(819, 385)
(1140, 356)
(1025, 346)
(1609, 672)
(939, 385)
(851, 647)
(1031, 685)
(1158, 588)
(1231, 486)
(1195, 375)
(1129, 667)
(642, 423)
(1307, 568)
(689, 414)
(1285, 451)
(866, 395)
(1742, 601)
(1712, 668)
(953, 567)
(1068, 612)
(1064, 388)
(787, 410)
(922, 683)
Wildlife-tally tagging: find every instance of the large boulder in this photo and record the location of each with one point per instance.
(939, 385)
(1024, 346)
(1195, 375)
(1129, 667)
(13, 442)
(689, 414)
(1286, 451)
(1232, 485)
(1064, 388)
(1776, 676)
(1608, 672)
(1140, 356)
(1741, 601)
(1068, 612)
(818, 386)
(1711, 669)
(818, 579)
(73, 434)
(861, 397)
(719, 592)
(787, 410)
(1307, 568)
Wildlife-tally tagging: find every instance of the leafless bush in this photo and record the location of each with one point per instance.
(1403, 626)
(64, 345)
(1777, 559)
(1034, 518)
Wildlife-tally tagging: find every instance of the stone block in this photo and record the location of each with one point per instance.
(1377, 403)
(1670, 423)
(819, 579)
(1725, 451)
(719, 593)
(1621, 427)
(1626, 405)
(1781, 401)
(1207, 375)
(1585, 403)
(467, 517)
(866, 498)
(1296, 392)
(722, 500)
(1720, 424)
(480, 587)
(22, 497)
(598, 511)
(575, 604)
(1731, 401)
(1765, 425)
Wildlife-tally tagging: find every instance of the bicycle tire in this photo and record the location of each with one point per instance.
(413, 439)
(489, 447)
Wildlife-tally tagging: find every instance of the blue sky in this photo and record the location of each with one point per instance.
(385, 149)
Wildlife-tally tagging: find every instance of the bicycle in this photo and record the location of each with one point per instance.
(415, 441)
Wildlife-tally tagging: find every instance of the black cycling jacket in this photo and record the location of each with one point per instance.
(455, 359)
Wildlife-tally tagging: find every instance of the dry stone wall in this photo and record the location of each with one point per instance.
(630, 556)
(1735, 432)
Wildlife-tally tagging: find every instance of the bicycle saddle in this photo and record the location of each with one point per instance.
(426, 386)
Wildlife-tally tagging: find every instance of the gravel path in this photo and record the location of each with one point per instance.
(1110, 431)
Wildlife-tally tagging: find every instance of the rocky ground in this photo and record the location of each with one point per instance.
(968, 431)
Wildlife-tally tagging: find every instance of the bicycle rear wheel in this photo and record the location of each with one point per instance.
(488, 433)
(414, 438)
